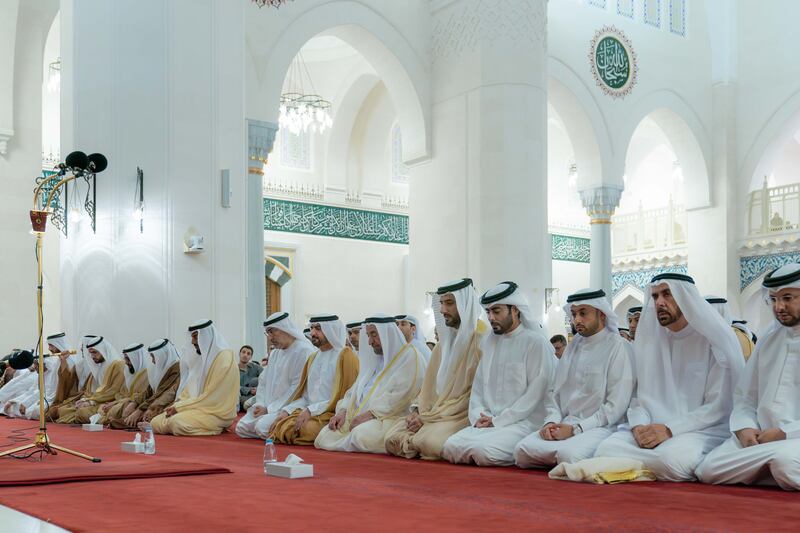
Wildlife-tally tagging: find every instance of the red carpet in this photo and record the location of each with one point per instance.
(114, 466)
(355, 492)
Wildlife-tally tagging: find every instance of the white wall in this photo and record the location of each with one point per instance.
(351, 278)
(176, 110)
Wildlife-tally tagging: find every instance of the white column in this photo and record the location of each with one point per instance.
(479, 207)
(260, 139)
(156, 85)
(600, 204)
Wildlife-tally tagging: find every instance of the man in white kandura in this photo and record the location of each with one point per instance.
(389, 379)
(687, 363)
(507, 401)
(591, 391)
(278, 381)
(410, 327)
(765, 446)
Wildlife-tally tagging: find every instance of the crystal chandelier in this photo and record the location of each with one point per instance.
(301, 110)
(54, 76)
(270, 3)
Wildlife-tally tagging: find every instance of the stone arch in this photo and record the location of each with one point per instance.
(584, 123)
(687, 136)
(778, 129)
(404, 73)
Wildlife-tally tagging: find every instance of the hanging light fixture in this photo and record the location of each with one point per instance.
(270, 3)
(54, 76)
(138, 200)
(301, 110)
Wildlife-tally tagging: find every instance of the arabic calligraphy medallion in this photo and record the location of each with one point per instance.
(613, 62)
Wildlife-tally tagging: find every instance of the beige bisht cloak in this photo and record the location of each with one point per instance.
(388, 399)
(112, 385)
(346, 373)
(442, 414)
(136, 392)
(211, 411)
(154, 403)
(68, 392)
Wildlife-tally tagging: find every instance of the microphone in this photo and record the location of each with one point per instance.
(66, 352)
(77, 160)
(97, 163)
(18, 360)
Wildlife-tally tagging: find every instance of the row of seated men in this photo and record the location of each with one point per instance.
(678, 402)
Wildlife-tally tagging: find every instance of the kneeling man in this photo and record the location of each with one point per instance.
(687, 362)
(108, 376)
(443, 405)
(592, 389)
(765, 447)
(280, 379)
(163, 375)
(327, 376)
(389, 379)
(208, 394)
(507, 402)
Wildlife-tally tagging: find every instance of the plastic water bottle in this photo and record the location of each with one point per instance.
(150, 441)
(270, 453)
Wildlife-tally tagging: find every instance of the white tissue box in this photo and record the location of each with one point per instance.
(132, 447)
(93, 427)
(289, 471)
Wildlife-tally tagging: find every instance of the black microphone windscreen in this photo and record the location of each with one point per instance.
(97, 162)
(77, 160)
(21, 360)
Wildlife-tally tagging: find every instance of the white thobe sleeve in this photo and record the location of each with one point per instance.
(261, 390)
(792, 429)
(554, 415)
(342, 404)
(619, 386)
(745, 398)
(295, 373)
(540, 368)
(477, 401)
(637, 414)
(716, 407)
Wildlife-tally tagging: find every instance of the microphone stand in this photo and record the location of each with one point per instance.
(39, 223)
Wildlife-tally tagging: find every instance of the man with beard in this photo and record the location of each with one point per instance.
(442, 407)
(507, 401)
(281, 377)
(765, 446)
(634, 313)
(163, 375)
(249, 371)
(136, 384)
(108, 381)
(74, 379)
(591, 391)
(208, 393)
(389, 379)
(326, 377)
(687, 363)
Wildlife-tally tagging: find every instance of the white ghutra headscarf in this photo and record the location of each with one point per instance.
(138, 357)
(652, 344)
(194, 366)
(592, 298)
(333, 329)
(110, 354)
(165, 355)
(454, 342)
